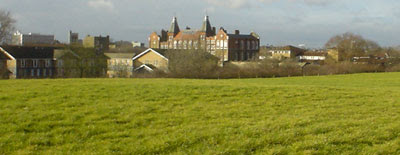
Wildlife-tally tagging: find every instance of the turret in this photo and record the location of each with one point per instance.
(174, 27)
(206, 27)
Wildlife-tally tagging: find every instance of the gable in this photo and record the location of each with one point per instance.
(150, 53)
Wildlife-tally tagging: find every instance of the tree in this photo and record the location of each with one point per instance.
(350, 45)
(6, 26)
(192, 64)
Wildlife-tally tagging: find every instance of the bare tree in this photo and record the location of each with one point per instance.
(351, 45)
(6, 26)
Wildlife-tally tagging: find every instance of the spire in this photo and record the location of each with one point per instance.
(206, 27)
(174, 26)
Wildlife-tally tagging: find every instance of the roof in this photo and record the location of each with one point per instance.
(120, 55)
(60, 53)
(24, 52)
(206, 27)
(314, 53)
(147, 67)
(288, 47)
(241, 36)
(6, 54)
(174, 26)
(147, 51)
(188, 35)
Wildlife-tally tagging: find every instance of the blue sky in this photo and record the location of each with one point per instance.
(279, 22)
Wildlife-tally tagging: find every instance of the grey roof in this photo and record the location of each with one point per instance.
(24, 52)
(206, 27)
(120, 55)
(174, 26)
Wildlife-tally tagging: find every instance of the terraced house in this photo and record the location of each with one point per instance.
(225, 46)
(28, 62)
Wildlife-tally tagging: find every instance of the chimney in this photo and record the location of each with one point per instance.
(237, 32)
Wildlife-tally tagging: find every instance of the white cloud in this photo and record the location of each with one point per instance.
(101, 4)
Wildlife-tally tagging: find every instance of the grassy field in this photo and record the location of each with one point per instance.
(345, 114)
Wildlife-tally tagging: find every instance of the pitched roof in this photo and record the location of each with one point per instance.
(206, 27)
(188, 35)
(7, 55)
(174, 26)
(120, 55)
(147, 67)
(147, 51)
(60, 53)
(24, 52)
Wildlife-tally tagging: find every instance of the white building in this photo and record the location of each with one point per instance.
(137, 44)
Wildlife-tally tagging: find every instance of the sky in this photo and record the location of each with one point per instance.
(278, 22)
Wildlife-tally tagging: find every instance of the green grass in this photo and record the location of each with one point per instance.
(345, 114)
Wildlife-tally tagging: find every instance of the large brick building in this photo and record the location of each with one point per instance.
(226, 46)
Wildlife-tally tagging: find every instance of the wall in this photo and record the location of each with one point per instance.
(88, 42)
(151, 57)
(12, 67)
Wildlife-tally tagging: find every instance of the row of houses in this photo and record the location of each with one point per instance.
(52, 62)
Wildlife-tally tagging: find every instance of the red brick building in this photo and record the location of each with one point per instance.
(227, 47)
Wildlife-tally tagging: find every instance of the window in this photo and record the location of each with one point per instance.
(60, 63)
(248, 45)
(226, 44)
(38, 72)
(44, 72)
(32, 72)
(23, 63)
(175, 44)
(48, 63)
(35, 63)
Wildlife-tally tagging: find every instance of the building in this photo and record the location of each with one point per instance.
(73, 38)
(31, 39)
(333, 53)
(137, 44)
(67, 63)
(313, 57)
(28, 62)
(119, 64)
(99, 43)
(150, 60)
(285, 52)
(225, 46)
